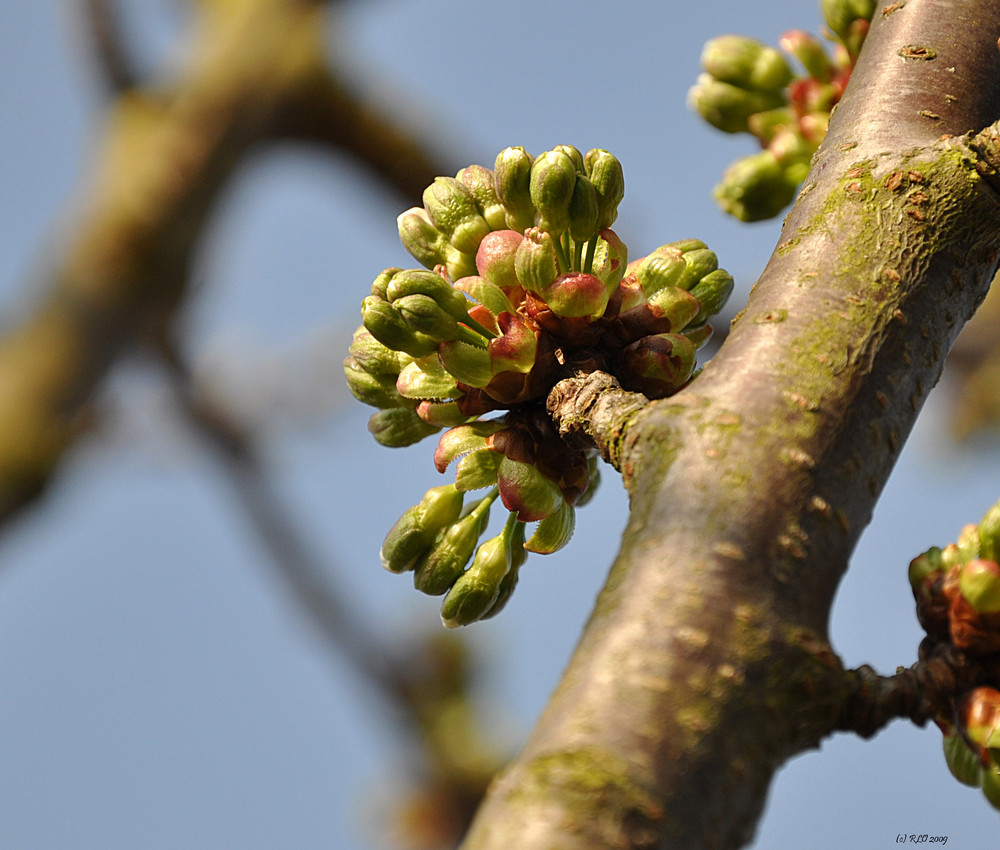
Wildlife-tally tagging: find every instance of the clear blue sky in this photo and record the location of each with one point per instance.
(157, 690)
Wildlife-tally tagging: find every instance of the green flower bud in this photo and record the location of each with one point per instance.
(727, 107)
(766, 125)
(376, 390)
(422, 313)
(421, 238)
(525, 490)
(426, 378)
(535, 260)
(676, 305)
(807, 49)
(605, 172)
(583, 210)
(369, 355)
(747, 63)
(662, 268)
(989, 534)
(469, 364)
(978, 718)
(577, 294)
(962, 762)
(512, 180)
(453, 211)
(397, 427)
(518, 555)
(553, 532)
(381, 283)
(490, 295)
(574, 154)
(979, 583)
(553, 177)
(421, 282)
(385, 323)
(712, 293)
(968, 543)
(477, 470)
(415, 529)
(841, 14)
(699, 262)
(923, 566)
(476, 591)
(450, 550)
(478, 181)
(756, 187)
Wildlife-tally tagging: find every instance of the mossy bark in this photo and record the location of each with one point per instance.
(705, 665)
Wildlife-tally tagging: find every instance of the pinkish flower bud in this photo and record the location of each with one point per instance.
(526, 491)
(495, 258)
(576, 294)
(658, 365)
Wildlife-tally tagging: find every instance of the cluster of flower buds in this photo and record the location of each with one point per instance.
(749, 87)
(972, 742)
(957, 590)
(524, 280)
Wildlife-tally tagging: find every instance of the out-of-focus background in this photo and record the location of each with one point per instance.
(159, 685)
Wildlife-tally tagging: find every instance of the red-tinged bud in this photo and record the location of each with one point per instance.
(699, 335)
(674, 305)
(526, 491)
(978, 717)
(484, 318)
(979, 582)
(577, 294)
(657, 366)
(925, 566)
(441, 414)
(610, 259)
(971, 631)
(495, 258)
(516, 347)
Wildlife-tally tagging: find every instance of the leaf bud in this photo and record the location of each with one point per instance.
(489, 295)
(512, 180)
(657, 365)
(469, 364)
(463, 439)
(441, 414)
(605, 172)
(963, 763)
(477, 469)
(527, 491)
(553, 532)
(397, 427)
(991, 784)
(553, 177)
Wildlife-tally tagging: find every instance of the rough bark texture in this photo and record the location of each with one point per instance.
(705, 665)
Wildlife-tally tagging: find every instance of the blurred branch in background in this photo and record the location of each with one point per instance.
(974, 369)
(257, 71)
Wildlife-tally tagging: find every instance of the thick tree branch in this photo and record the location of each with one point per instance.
(750, 488)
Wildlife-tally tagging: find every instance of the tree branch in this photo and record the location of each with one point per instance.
(750, 488)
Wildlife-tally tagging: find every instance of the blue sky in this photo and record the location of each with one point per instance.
(157, 688)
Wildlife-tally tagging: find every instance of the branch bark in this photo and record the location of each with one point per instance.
(706, 664)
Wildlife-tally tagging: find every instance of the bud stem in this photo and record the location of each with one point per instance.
(588, 263)
(470, 336)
